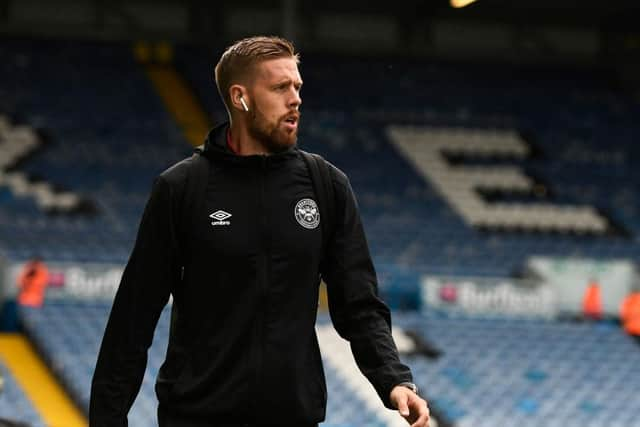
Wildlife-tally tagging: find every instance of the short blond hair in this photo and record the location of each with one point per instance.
(238, 60)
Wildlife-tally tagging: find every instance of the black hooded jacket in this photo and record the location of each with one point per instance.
(243, 347)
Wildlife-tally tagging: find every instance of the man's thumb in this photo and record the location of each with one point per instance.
(402, 405)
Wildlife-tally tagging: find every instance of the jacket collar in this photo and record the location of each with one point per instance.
(216, 148)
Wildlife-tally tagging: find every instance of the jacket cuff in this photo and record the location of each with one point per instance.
(388, 380)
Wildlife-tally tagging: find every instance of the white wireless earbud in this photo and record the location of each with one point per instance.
(244, 104)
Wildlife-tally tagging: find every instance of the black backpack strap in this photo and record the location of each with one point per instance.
(191, 201)
(193, 196)
(323, 188)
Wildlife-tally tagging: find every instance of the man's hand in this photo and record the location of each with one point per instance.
(412, 407)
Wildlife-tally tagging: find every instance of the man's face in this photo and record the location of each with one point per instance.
(274, 102)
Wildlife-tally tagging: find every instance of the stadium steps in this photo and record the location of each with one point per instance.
(15, 407)
(32, 376)
(339, 360)
(177, 97)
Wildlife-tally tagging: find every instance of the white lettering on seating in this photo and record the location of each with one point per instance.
(426, 147)
(15, 143)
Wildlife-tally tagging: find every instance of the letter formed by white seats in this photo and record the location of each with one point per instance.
(15, 143)
(425, 148)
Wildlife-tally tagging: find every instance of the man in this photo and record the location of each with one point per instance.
(32, 283)
(243, 349)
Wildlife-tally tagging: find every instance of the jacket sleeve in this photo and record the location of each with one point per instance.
(143, 292)
(357, 312)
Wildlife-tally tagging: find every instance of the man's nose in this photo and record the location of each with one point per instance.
(296, 100)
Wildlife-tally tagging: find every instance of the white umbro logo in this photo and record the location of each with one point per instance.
(220, 218)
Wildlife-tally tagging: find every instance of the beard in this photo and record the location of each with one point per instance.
(273, 136)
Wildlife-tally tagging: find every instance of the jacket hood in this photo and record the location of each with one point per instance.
(215, 147)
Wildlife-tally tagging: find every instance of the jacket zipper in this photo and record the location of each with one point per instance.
(263, 282)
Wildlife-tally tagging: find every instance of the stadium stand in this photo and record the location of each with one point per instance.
(500, 371)
(14, 404)
(45, 395)
(580, 136)
(108, 153)
(69, 336)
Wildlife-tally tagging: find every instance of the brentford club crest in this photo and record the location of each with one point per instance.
(307, 213)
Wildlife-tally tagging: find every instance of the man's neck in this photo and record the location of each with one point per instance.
(242, 143)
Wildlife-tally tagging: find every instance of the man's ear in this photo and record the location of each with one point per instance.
(239, 98)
